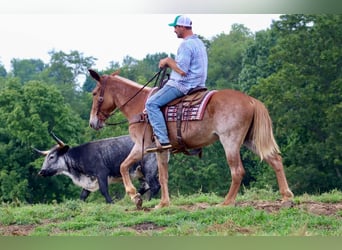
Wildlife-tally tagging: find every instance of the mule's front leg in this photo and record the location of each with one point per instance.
(129, 188)
(163, 158)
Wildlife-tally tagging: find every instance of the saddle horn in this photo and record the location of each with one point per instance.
(59, 141)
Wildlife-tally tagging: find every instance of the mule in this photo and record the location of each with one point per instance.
(232, 117)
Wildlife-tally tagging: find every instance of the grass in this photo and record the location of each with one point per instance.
(188, 215)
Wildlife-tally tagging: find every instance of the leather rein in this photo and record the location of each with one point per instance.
(100, 100)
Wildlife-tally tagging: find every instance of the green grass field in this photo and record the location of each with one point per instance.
(257, 212)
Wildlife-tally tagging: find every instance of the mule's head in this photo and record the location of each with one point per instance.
(103, 102)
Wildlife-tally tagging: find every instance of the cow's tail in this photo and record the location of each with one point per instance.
(262, 132)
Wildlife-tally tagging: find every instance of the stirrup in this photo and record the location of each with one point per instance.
(158, 148)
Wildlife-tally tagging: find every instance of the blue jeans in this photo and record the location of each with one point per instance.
(155, 115)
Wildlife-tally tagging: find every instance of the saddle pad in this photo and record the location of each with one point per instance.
(189, 113)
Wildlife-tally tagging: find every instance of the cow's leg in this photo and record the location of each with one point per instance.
(162, 158)
(103, 185)
(275, 161)
(84, 194)
(150, 172)
(144, 187)
(154, 185)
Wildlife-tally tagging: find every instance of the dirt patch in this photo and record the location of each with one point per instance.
(147, 226)
(197, 206)
(318, 208)
(16, 230)
(322, 208)
(227, 227)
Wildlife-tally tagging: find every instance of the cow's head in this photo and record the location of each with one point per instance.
(54, 162)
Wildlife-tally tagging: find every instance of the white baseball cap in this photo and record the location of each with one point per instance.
(181, 20)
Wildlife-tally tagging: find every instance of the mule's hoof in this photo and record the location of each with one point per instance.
(138, 201)
(226, 204)
(161, 205)
(287, 204)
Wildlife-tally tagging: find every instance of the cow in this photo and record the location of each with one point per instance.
(96, 164)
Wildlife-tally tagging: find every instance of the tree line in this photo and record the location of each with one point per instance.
(294, 67)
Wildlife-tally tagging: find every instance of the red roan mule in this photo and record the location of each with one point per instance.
(232, 117)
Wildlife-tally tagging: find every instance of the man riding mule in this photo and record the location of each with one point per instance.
(230, 116)
(189, 71)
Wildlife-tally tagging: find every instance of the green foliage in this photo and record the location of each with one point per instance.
(255, 60)
(301, 95)
(225, 57)
(66, 67)
(208, 174)
(27, 69)
(27, 113)
(3, 71)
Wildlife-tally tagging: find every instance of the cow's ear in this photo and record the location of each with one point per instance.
(94, 74)
(63, 150)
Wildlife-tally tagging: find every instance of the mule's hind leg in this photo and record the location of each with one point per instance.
(236, 169)
(275, 161)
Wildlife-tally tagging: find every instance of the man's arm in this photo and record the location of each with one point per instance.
(169, 62)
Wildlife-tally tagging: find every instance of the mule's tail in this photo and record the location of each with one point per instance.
(262, 132)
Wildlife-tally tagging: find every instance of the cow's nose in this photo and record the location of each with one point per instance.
(41, 173)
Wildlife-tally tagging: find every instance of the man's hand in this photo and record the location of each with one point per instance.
(163, 63)
(169, 62)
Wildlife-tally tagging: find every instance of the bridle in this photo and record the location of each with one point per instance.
(103, 85)
(100, 100)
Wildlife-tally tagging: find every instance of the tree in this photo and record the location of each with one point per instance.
(225, 57)
(27, 69)
(27, 114)
(255, 63)
(304, 97)
(210, 174)
(65, 68)
(3, 71)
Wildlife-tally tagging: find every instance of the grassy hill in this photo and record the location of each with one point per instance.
(257, 212)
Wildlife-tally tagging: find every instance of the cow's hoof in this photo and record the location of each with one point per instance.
(138, 201)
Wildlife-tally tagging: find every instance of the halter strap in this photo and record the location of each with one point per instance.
(101, 99)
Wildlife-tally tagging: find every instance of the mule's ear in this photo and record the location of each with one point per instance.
(94, 74)
(116, 73)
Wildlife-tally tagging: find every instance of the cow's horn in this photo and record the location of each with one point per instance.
(59, 141)
(41, 152)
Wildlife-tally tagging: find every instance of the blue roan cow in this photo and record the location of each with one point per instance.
(96, 164)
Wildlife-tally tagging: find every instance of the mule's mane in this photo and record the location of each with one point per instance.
(126, 81)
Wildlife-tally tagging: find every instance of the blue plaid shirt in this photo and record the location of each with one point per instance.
(193, 60)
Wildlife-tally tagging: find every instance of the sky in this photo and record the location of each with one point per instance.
(30, 33)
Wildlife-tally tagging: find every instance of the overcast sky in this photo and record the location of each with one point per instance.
(30, 34)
